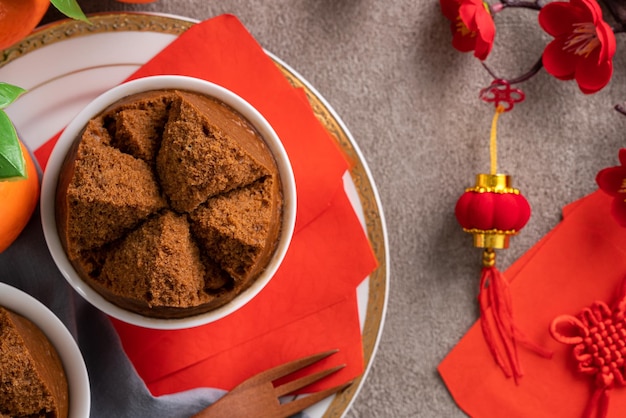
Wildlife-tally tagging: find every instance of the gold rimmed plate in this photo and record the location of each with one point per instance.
(67, 64)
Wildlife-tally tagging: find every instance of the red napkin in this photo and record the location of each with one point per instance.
(291, 315)
(582, 260)
(310, 305)
(222, 51)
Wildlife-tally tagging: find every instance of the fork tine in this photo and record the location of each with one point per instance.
(288, 368)
(304, 381)
(293, 407)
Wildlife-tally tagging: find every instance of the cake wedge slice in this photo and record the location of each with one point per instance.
(32, 379)
(109, 193)
(198, 159)
(239, 229)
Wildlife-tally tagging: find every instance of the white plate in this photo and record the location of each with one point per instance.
(71, 357)
(67, 64)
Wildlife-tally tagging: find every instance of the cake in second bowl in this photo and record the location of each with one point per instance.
(33, 382)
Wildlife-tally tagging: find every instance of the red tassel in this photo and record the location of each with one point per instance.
(498, 327)
(599, 403)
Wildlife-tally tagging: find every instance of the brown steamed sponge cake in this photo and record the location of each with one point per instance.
(32, 379)
(237, 227)
(169, 204)
(160, 264)
(110, 193)
(201, 154)
(137, 126)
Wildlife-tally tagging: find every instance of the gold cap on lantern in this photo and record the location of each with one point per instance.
(492, 238)
(493, 183)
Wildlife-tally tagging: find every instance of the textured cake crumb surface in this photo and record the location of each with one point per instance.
(171, 204)
(234, 226)
(159, 262)
(32, 380)
(111, 192)
(197, 160)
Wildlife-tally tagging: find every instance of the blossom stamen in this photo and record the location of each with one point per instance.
(462, 28)
(583, 39)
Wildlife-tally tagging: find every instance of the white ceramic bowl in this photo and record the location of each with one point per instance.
(71, 357)
(70, 134)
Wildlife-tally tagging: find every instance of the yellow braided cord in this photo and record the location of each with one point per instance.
(493, 144)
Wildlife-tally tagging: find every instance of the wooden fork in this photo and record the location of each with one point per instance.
(258, 397)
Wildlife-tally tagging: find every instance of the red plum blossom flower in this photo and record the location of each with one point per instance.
(612, 180)
(583, 45)
(471, 24)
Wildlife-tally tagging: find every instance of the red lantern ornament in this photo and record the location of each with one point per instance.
(493, 211)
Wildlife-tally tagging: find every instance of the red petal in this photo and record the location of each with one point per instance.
(558, 62)
(591, 8)
(618, 210)
(450, 9)
(484, 43)
(607, 40)
(486, 27)
(463, 43)
(467, 12)
(610, 180)
(592, 76)
(557, 18)
(622, 156)
(482, 49)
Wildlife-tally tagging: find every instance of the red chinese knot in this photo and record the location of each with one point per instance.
(598, 337)
(501, 94)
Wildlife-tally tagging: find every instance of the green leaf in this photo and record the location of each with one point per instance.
(70, 8)
(12, 163)
(8, 94)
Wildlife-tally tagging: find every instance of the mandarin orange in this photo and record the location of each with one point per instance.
(18, 199)
(18, 18)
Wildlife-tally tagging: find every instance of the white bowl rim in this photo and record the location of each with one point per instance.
(65, 141)
(29, 307)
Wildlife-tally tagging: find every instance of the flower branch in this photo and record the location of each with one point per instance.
(519, 79)
(534, 5)
(621, 108)
(617, 8)
(582, 48)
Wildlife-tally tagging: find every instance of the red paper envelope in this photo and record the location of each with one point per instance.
(338, 322)
(316, 274)
(581, 261)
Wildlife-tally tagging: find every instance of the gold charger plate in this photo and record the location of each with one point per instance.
(36, 121)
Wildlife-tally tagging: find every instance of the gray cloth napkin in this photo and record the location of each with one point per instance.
(116, 389)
